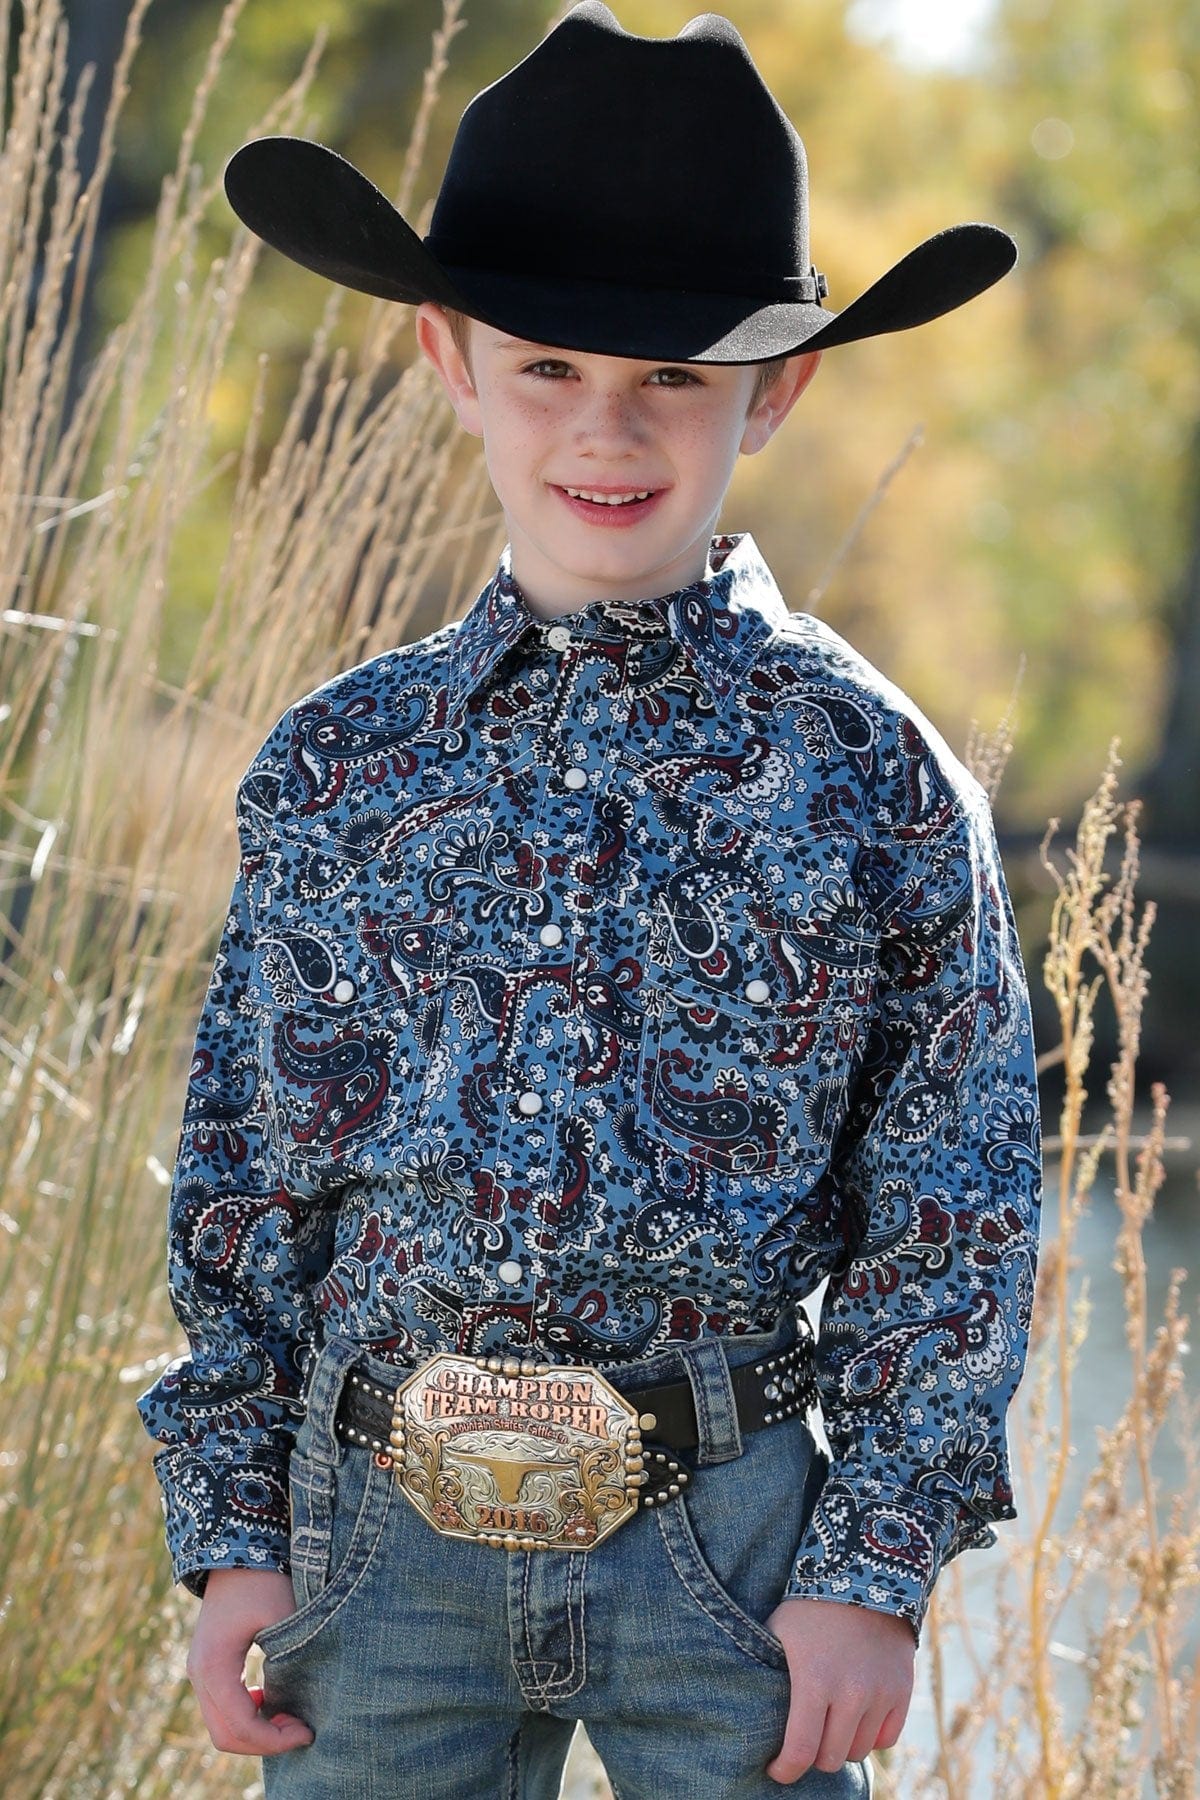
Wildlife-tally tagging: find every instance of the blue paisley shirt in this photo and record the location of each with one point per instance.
(595, 984)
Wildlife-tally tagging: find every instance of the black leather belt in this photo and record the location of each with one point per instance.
(765, 1392)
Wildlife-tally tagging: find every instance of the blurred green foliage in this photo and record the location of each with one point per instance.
(1047, 514)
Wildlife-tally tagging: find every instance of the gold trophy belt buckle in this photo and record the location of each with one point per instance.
(516, 1455)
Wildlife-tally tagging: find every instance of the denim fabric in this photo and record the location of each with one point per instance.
(433, 1668)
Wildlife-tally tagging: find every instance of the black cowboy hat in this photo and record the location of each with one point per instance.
(627, 196)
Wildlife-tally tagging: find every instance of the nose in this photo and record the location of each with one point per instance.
(609, 423)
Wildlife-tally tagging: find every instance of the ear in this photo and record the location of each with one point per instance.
(437, 343)
(778, 401)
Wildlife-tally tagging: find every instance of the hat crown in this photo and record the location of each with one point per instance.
(666, 158)
(627, 196)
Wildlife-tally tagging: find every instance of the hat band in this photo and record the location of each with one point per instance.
(807, 289)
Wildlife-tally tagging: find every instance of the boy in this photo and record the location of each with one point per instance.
(603, 973)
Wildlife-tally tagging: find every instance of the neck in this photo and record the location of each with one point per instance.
(552, 592)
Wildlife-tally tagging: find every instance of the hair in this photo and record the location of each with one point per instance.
(768, 374)
(460, 331)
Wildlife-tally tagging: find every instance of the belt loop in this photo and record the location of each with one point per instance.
(326, 1378)
(716, 1408)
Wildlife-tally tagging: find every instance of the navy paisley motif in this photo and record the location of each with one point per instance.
(728, 1127)
(302, 967)
(1013, 1134)
(581, 1333)
(571, 1222)
(328, 743)
(605, 1005)
(332, 1081)
(496, 870)
(231, 1103)
(832, 720)
(409, 954)
(260, 789)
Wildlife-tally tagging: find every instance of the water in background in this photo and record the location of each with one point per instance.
(1101, 1389)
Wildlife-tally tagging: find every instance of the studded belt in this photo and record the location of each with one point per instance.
(526, 1455)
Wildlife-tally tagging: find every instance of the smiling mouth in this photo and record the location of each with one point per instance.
(602, 499)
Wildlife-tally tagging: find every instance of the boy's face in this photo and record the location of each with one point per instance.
(553, 421)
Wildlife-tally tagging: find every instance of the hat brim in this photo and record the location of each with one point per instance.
(318, 209)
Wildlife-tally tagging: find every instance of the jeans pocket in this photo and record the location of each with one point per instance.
(734, 1535)
(338, 1519)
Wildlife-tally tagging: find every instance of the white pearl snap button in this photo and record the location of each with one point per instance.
(345, 990)
(558, 637)
(510, 1272)
(551, 934)
(757, 990)
(529, 1102)
(575, 778)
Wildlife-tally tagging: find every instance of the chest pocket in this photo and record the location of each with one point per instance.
(752, 1024)
(350, 986)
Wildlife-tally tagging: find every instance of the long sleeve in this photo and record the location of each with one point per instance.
(925, 1323)
(243, 1254)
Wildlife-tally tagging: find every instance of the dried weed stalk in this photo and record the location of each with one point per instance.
(1074, 1683)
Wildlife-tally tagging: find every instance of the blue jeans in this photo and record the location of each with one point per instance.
(433, 1668)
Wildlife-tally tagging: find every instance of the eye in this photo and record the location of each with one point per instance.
(540, 368)
(686, 375)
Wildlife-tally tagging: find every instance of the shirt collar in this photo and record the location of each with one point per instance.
(721, 621)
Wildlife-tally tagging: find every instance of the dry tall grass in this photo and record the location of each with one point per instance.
(1072, 1679)
(352, 532)
(117, 851)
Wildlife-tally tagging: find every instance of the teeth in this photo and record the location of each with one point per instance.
(608, 499)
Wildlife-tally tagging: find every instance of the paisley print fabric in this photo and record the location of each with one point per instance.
(595, 985)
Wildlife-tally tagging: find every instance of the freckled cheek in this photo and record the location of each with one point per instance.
(528, 431)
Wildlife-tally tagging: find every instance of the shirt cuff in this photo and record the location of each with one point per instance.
(878, 1544)
(224, 1512)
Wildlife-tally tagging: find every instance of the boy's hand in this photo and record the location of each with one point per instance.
(851, 1670)
(237, 1605)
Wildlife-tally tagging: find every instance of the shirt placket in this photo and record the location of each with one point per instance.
(586, 721)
